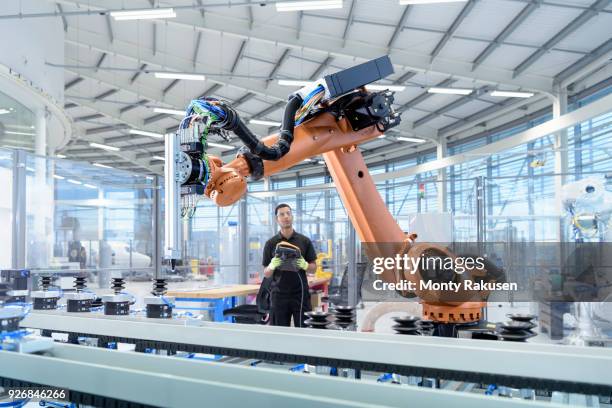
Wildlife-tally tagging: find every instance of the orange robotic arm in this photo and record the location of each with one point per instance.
(335, 139)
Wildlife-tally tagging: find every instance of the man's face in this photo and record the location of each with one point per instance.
(284, 218)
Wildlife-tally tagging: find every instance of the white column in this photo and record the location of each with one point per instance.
(40, 141)
(561, 156)
(441, 185)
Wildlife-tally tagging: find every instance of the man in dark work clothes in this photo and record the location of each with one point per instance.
(290, 296)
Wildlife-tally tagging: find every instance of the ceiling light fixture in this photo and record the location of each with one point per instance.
(89, 186)
(144, 14)
(294, 82)
(74, 181)
(145, 133)
(405, 2)
(308, 5)
(169, 111)
(4, 111)
(450, 91)
(159, 158)
(512, 94)
(104, 147)
(12, 132)
(393, 88)
(60, 156)
(220, 145)
(264, 122)
(410, 139)
(102, 166)
(58, 177)
(179, 75)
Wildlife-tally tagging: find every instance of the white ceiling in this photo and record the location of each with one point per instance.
(486, 44)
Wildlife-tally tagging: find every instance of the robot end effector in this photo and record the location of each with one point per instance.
(334, 112)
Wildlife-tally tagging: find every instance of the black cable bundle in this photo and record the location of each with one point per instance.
(233, 123)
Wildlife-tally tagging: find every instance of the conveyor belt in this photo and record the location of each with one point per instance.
(520, 365)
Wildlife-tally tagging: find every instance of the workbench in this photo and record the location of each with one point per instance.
(226, 297)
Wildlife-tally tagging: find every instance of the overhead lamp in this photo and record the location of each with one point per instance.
(12, 132)
(4, 111)
(393, 88)
(60, 156)
(382, 136)
(89, 186)
(169, 111)
(159, 158)
(410, 139)
(104, 147)
(308, 5)
(71, 181)
(145, 14)
(220, 145)
(30, 169)
(179, 75)
(405, 2)
(102, 166)
(450, 91)
(58, 177)
(145, 133)
(512, 94)
(294, 82)
(264, 122)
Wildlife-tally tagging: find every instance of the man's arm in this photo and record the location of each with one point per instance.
(266, 260)
(311, 257)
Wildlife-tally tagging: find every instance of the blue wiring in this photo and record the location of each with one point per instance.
(171, 305)
(18, 403)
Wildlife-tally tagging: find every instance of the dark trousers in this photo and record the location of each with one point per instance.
(284, 307)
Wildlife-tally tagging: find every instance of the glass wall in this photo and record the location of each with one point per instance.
(6, 208)
(81, 218)
(17, 124)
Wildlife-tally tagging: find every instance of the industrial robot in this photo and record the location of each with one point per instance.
(331, 117)
(588, 207)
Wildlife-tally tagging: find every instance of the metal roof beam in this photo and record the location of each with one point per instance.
(453, 105)
(170, 86)
(567, 30)
(281, 36)
(238, 56)
(399, 27)
(105, 129)
(451, 31)
(349, 20)
(72, 83)
(137, 74)
(106, 94)
(133, 106)
(484, 115)
(64, 20)
(109, 27)
(505, 33)
(269, 109)
(100, 61)
(88, 117)
(299, 24)
(196, 48)
(278, 64)
(155, 118)
(588, 63)
(425, 95)
(210, 91)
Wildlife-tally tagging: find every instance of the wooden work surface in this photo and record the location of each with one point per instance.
(230, 290)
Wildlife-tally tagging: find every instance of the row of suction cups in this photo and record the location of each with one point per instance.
(518, 328)
(413, 326)
(344, 318)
